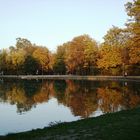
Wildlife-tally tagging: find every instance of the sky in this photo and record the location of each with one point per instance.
(53, 22)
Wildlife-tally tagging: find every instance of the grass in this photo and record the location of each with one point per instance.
(123, 125)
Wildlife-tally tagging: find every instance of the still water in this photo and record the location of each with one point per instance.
(31, 104)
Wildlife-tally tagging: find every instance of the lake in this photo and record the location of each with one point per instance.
(31, 104)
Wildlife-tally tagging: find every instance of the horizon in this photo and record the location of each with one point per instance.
(51, 23)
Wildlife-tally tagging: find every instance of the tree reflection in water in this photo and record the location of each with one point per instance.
(82, 97)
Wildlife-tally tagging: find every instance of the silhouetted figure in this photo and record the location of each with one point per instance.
(125, 74)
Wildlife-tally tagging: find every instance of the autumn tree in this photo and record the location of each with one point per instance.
(90, 56)
(133, 27)
(18, 59)
(110, 50)
(31, 64)
(41, 55)
(78, 53)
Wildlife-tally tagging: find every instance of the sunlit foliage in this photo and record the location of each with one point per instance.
(119, 53)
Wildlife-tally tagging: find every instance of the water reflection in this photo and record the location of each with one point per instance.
(82, 97)
(30, 104)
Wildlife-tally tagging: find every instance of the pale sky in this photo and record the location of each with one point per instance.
(52, 22)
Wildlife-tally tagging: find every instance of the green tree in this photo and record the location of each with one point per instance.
(3, 62)
(22, 43)
(30, 65)
(59, 62)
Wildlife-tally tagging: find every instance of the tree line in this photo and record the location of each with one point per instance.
(117, 55)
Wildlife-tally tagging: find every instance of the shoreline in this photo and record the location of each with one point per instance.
(120, 125)
(73, 77)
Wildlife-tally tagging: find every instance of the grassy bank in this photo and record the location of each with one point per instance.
(124, 125)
